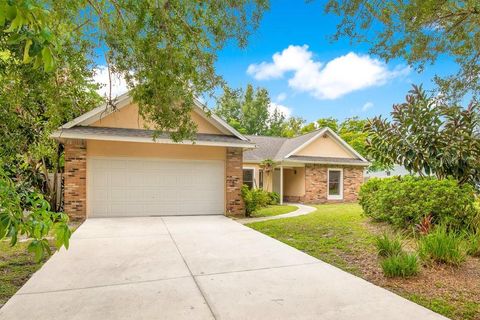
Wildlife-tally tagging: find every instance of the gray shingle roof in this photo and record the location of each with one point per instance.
(142, 133)
(267, 148)
(276, 148)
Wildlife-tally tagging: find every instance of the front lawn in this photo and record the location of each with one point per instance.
(274, 211)
(16, 266)
(340, 235)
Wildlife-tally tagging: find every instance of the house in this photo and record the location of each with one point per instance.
(114, 167)
(316, 167)
(397, 170)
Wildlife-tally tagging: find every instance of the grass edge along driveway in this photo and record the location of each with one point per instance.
(340, 235)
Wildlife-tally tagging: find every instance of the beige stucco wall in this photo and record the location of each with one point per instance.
(128, 117)
(267, 178)
(324, 147)
(294, 184)
(154, 150)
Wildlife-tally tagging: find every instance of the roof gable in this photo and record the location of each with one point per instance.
(125, 115)
(324, 146)
(129, 118)
(318, 145)
(325, 132)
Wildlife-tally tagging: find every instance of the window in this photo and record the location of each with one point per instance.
(260, 179)
(335, 184)
(248, 177)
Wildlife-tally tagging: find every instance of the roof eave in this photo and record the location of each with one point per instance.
(63, 135)
(362, 164)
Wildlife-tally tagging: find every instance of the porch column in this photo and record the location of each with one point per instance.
(281, 184)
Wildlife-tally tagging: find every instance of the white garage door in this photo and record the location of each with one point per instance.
(140, 187)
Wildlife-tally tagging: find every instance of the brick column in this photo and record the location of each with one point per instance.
(75, 186)
(234, 182)
(352, 180)
(315, 183)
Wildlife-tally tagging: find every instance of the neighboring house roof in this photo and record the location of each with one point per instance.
(396, 171)
(125, 100)
(285, 149)
(138, 135)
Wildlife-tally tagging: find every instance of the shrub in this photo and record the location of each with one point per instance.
(405, 201)
(400, 265)
(254, 199)
(442, 246)
(274, 198)
(473, 244)
(388, 246)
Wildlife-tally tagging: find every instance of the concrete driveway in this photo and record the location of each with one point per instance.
(206, 267)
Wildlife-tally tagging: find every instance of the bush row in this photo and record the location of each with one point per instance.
(405, 201)
(256, 199)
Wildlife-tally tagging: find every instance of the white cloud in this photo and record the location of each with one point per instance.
(367, 105)
(332, 80)
(119, 85)
(282, 96)
(287, 112)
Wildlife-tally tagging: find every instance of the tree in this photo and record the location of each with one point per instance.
(27, 213)
(330, 122)
(428, 136)
(166, 50)
(293, 127)
(352, 131)
(33, 103)
(419, 31)
(249, 112)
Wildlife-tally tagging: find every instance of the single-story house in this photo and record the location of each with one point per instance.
(316, 167)
(114, 167)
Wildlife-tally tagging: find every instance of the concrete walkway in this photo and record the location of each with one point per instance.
(302, 210)
(206, 267)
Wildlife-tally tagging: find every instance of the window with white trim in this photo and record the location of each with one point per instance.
(249, 177)
(335, 184)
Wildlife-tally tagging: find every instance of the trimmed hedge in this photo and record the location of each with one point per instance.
(404, 201)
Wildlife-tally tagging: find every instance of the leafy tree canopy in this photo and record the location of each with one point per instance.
(250, 112)
(419, 31)
(427, 135)
(166, 49)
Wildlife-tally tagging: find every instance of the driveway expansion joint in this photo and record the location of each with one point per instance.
(191, 273)
(101, 286)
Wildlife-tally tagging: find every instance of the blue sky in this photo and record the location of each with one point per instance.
(311, 77)
(296, 23)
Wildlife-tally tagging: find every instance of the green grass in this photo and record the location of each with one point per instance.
(442, 246)
(400, 265)
(340, 235)
(388, 246)
(16, 267)
(466, 310)
(330, 234)
(274, 211)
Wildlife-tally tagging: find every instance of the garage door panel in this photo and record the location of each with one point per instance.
(144, 187)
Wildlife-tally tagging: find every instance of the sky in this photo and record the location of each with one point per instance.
(311, 77)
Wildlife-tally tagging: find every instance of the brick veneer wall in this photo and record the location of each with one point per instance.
(234, 182)
(75, 185)
(316, 176)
